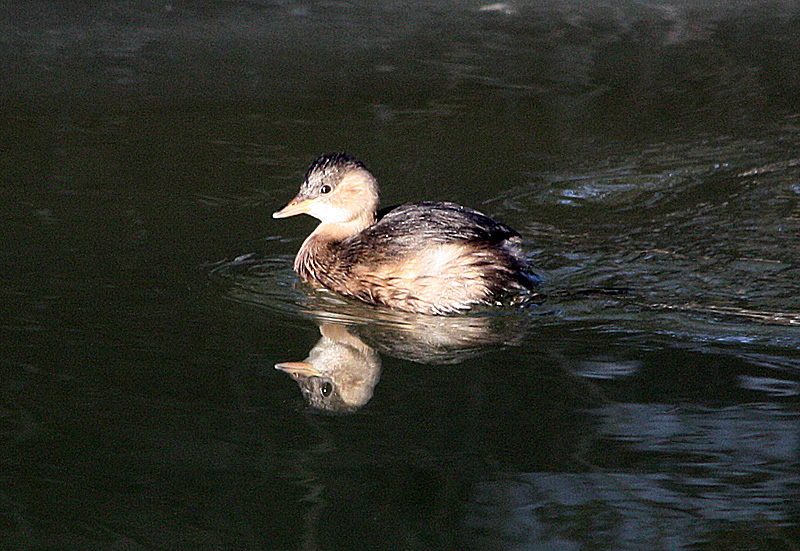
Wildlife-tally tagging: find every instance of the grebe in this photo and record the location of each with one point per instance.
(430, 257)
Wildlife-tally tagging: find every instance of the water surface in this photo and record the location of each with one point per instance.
(147, 292)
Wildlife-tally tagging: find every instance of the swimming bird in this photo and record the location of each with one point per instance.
(428, 257)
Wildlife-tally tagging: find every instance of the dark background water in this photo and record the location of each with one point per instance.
(147, 292)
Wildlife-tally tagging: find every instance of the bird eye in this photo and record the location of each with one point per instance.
(325, 189)
(326, 389)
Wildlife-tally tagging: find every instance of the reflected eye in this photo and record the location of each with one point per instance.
(325, 189)
(326, 389)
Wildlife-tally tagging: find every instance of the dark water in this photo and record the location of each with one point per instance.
(147, 293)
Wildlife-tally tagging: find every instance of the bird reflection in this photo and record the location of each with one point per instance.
(340, 373)
(342, 369)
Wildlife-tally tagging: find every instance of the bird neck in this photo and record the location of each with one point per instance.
(317, 256)
(339, 231)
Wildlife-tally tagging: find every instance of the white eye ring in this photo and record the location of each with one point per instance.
(325, 189)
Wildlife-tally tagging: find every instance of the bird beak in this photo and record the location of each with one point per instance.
(298, 369)
(296, 206)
